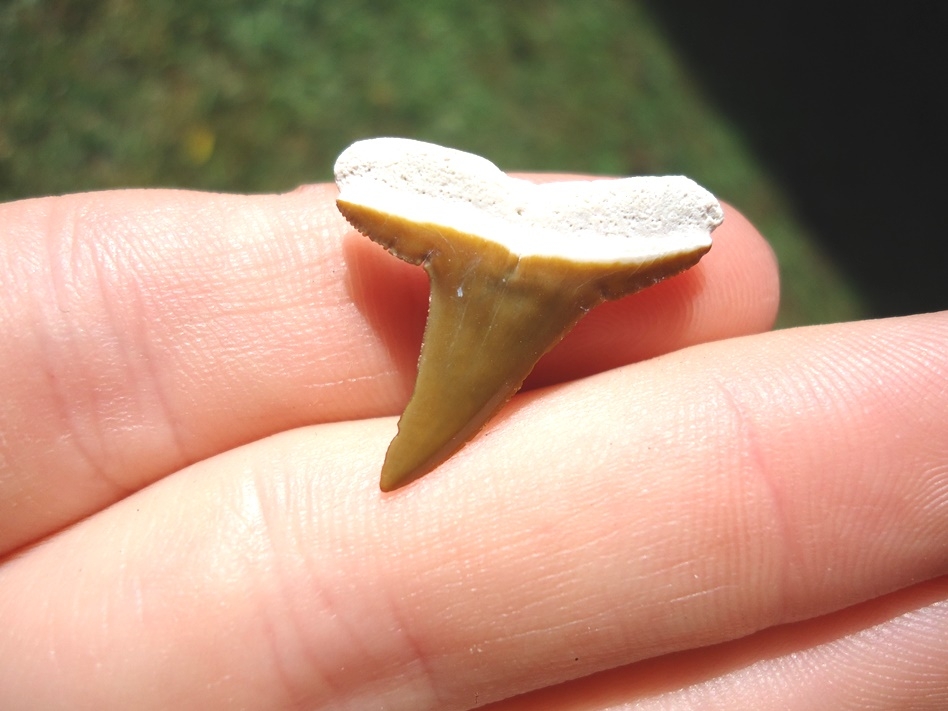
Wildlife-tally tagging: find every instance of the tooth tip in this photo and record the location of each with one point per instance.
(410, 455)
(394, 478)
(391, 479)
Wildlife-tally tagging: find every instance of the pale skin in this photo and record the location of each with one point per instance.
(681, 511)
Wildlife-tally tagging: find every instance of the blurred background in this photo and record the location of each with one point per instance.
(822, 131)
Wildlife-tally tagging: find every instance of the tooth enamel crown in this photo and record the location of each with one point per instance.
(512, 266)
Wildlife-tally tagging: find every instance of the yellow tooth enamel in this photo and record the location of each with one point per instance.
(493, 313)
(491, 317)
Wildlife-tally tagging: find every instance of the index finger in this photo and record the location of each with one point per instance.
(151, 329)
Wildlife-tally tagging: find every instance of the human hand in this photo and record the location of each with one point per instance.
(198, 393)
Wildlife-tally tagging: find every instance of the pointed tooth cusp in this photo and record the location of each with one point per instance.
(513, 266)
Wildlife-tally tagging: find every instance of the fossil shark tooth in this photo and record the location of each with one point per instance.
(512, 267)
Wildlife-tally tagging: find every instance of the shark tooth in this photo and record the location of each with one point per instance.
(512, 267)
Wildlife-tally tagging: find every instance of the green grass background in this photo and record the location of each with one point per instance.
(248, 96)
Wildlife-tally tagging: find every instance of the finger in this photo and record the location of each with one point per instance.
(686, 501)
(887, 653)
(151, 329)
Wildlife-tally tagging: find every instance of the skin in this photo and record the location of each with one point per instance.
(198, 390)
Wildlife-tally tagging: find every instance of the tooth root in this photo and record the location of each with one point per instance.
(489, 321)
